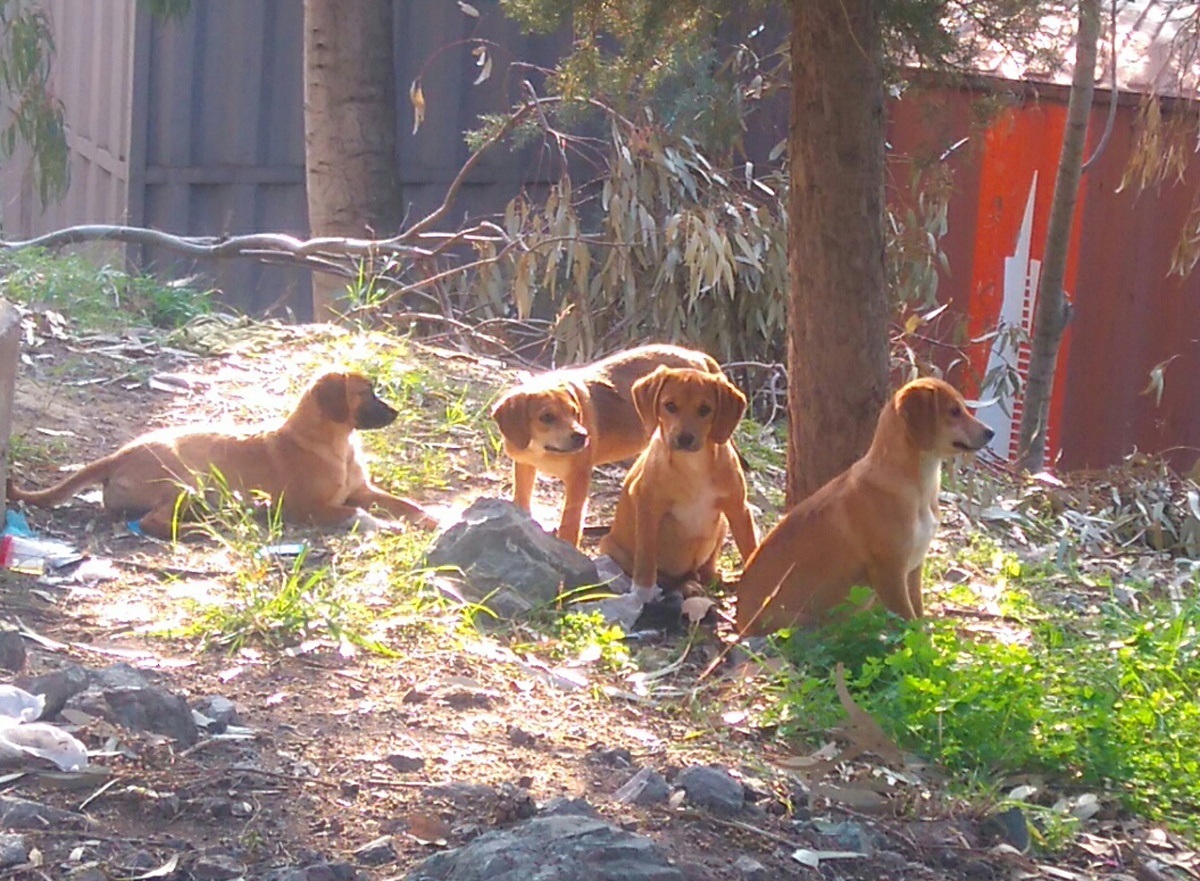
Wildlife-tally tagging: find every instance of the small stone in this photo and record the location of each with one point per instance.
(1009, 826)
(618, 757)
(220, 709)
(376, 853)
(520, 737)
(646, 787)
(12, 650)
(463, 794)
(217, 867)
(316, 872)
(153, 709)
(406, 763)
(57, 687)
(20, 813)
(750, 869)
(712, 788)
(13, 850)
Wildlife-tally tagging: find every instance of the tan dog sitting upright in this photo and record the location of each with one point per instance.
(310, 464)
(566, 422)
(870, 525)
(687, 484)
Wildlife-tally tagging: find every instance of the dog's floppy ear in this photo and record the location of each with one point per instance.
(512, 415)
(918, 407)
(645, 396)
(731, 406)
(331, 394)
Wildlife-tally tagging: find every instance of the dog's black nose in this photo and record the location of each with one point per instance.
(988, 434)
(685, 440)
(578, 439)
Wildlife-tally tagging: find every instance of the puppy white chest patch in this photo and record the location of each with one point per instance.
(923, 531)
(697, 516)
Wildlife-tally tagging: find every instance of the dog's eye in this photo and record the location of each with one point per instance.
(704, 410)
(671, 407)
(955, 411)
(548, 418)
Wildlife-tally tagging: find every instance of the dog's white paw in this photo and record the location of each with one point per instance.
(646, 594)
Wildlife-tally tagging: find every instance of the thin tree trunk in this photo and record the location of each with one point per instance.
(349, 127)
(838, 319)
(1052, 312)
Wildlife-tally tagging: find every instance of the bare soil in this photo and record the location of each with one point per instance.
(320, 779)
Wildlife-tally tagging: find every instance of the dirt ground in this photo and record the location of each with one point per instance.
(347, 748)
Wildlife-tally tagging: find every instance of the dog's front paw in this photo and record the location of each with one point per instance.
(365, 523)
(422, 519)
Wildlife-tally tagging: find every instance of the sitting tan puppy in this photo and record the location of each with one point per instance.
(309, 464)
(870, 525)
(687, 484)
(566, 422)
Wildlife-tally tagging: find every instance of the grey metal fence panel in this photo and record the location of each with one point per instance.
(224, 136)
(91, 74)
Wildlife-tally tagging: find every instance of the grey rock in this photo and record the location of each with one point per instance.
(406, 763)
(712, 788)
(848, 835)
(750, 869)
(463, 794)
(120, 675)
(152, 709)
(315, 872)
(1008, 826)
(646, 787)
(20, 813)
(217, 867)
(560, 805)
(12, 650)
(220, 709)
(556, 848)
(509, 562)
(376, 853)
(88, 873)
(58, 687)
(14, 850)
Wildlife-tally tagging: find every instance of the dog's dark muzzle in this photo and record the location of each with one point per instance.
(374, 414)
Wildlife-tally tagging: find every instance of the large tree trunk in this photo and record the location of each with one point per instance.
(1052, 311)
(349, 127)
(839, 310)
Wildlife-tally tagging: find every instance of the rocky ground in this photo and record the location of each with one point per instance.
(468, 751)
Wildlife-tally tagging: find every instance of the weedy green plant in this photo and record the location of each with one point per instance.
(273, 601)
(98, 296)
(587, 635)
(1111, 703)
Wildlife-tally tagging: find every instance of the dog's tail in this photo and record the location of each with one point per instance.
(96, 472)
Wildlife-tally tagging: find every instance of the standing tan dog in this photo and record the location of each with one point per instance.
(566, 422)
(870, 525)
(309, 465)
(685, 486)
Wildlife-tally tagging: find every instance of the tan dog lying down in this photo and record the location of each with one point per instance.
(566, 422)
(686, 485)
(310, 464)
(870, 525)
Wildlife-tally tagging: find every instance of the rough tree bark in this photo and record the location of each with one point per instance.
(349, 127)
(838, 318)
(1052, 311)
